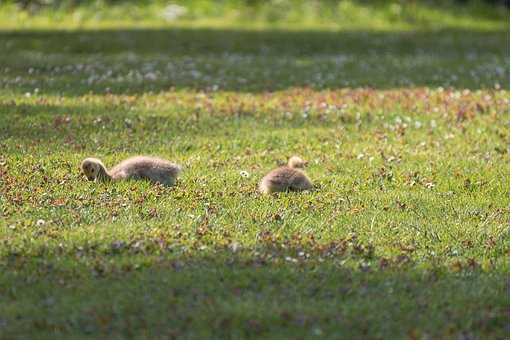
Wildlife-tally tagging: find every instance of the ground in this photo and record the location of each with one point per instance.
(407, 134)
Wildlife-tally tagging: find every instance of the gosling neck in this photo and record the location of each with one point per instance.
(103, 175)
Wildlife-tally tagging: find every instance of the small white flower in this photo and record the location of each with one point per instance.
(290, 259)
(40, 222)
(360, 156)
(235, 247)
(429, 185)
(28, 94)
(244, 174)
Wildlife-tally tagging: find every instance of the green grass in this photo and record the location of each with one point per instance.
(296, 14)
(406, 131)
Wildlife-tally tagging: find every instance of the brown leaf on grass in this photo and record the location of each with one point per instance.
(356, 209)
(467, 243)
(202, 231)
(481, 108)
(408, 248)
(401, 205)
(61, 120)
(402, 259)
(383, 263)
(473, 264)
(59, 202)
(491, 243)
(464, 113)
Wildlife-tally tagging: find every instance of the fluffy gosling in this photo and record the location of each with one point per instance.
(154, 169)
(286, 178)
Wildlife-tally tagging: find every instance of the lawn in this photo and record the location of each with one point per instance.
(405, 123)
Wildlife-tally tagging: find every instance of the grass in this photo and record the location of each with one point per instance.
(385, 15)
(406, 131)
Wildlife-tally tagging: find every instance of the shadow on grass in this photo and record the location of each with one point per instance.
(337, 290)
(177, 42)
(135, 61)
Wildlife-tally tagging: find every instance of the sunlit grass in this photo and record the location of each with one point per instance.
(332, 15)
(407, 134)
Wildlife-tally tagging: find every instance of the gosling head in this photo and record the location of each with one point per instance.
(94, 169)
(297, 162)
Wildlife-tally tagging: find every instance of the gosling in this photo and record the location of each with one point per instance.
(154, 169)
(286, 178)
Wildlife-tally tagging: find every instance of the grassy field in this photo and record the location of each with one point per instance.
(406, 128)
